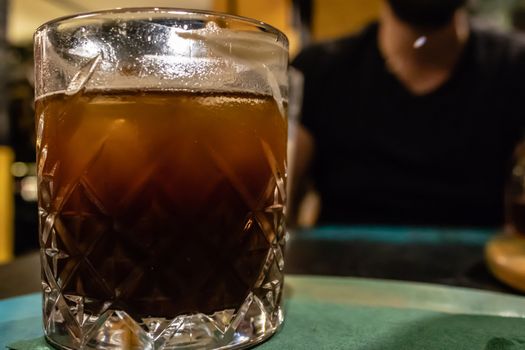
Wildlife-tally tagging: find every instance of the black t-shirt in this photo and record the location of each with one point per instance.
(384, 155)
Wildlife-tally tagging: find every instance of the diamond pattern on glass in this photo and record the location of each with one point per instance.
(72, 243)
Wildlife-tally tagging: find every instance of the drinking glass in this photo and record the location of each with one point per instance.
(161, 154)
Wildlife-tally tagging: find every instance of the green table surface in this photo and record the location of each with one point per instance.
(351, 313)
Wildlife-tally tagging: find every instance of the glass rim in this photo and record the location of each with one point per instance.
(168, 11)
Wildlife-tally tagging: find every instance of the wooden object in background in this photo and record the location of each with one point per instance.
(505, 256)
(277, 13)
(6, 205)
(335, 18)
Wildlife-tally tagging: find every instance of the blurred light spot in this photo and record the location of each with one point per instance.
(31, 169)
(28, 189)
(19, 169)
(420, 42)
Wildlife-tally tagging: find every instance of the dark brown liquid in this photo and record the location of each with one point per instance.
(159, 197)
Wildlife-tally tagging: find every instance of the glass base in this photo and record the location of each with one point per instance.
(115, 329)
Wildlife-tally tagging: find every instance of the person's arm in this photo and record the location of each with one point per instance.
(302, 153)
(302, 157)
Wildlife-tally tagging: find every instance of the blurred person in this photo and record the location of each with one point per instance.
(414, 119)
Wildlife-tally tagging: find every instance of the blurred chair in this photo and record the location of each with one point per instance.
(6, 205)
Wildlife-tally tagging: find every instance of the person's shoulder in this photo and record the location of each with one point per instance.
(331, 51)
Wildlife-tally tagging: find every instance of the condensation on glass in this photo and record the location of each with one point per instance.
(161, 155)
